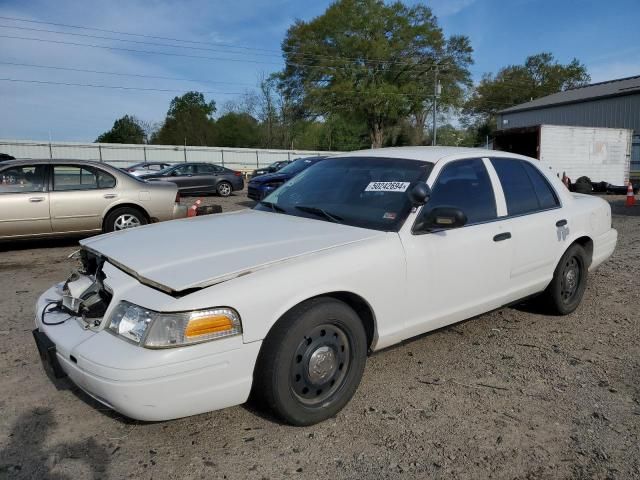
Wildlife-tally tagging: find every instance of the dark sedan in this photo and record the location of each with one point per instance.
(263, 185)
(199, 178)
(274, 167)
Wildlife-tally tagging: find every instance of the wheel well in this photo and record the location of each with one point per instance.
(125, 205)
(586, 243)
(359, 305)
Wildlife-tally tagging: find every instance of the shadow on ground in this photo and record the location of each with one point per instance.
(39, 243)
(29, 455)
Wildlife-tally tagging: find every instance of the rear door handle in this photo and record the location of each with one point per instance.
(36, 199)
(561, 223)
(110, 195)
(502, 236)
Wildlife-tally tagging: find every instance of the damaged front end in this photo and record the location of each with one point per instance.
(84, 293)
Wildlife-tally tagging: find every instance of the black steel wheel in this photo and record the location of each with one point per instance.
(565, 292)
(320, 364)
(311, 363)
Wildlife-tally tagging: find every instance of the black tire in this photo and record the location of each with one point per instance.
(312, 361)
(583, 179)
(564, 293)
(224, 189)
(123, 218)
(583, 187)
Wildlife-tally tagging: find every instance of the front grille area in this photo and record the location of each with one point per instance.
(254, 193)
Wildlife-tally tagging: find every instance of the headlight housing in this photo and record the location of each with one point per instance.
(152, 329)
(273, 185)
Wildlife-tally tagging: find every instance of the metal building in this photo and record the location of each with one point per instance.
(611, 104)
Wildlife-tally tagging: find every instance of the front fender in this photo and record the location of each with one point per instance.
(373, 269)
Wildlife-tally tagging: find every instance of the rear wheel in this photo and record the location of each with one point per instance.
(224, 189)
(564, 293)
(311, 363)
(124, 218)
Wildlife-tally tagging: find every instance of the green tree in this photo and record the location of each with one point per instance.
(540, 75)
(127, 129)
(189, 120)
(367, 59)
(237, 130)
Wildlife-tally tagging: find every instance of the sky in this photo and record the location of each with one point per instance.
(239, 42)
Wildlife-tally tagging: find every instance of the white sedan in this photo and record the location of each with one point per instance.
(357, 253)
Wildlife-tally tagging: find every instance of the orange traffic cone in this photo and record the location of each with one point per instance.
(631, 199)
(193, 209)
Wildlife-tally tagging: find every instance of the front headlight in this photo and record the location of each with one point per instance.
(159, 330)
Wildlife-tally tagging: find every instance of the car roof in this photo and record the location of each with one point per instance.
(47, 161)
(431, 154)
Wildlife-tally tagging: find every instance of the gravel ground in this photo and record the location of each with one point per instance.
(510, 394)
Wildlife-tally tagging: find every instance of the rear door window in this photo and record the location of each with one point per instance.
(71, 177)
(464, 184)
(207, 169)
(547, 197)
(185, 170)
(525, 188)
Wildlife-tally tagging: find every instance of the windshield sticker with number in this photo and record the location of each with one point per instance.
(387, 187)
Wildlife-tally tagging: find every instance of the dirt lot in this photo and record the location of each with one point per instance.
(511, 394)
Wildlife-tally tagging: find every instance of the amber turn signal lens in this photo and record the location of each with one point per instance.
(209, 324)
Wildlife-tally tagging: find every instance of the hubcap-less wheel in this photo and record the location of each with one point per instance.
(570, 279)
(320, 364)
(125, 221)
(224, 189)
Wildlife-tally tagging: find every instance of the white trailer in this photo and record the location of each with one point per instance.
(602, 154)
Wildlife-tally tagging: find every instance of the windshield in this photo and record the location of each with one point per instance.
(368, 192)
(297, 165)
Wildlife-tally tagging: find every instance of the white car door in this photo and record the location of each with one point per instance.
(24, 201)
(537, 224)
(458, 273)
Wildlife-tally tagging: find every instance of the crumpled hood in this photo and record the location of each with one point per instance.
(196, 252)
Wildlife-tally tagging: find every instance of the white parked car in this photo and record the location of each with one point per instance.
(358, 252)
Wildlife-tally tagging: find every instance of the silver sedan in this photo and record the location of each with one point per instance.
(60, 197)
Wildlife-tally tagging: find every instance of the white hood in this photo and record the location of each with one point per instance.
(200, 251)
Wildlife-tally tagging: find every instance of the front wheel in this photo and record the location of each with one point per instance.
(224, 189)
(564, 293)
(311, 363)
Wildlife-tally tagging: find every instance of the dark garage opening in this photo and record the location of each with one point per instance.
(524, 141)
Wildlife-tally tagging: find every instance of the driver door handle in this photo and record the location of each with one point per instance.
(561, 223)
(110, 195)
(36, 199)
(502, 236)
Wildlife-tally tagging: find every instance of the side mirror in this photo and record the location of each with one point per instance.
(440, 218)
(174, 173)
(419, 194)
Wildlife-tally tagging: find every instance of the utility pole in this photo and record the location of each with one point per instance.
(437, 88)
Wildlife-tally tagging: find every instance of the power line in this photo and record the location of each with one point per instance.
(121, 74)
(133, 50)
(117, 32)
(141, 42)
(122, 87)
(218, 44)
(421, 68)
(117, 87)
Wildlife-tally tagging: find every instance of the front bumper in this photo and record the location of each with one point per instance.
(146, 384)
